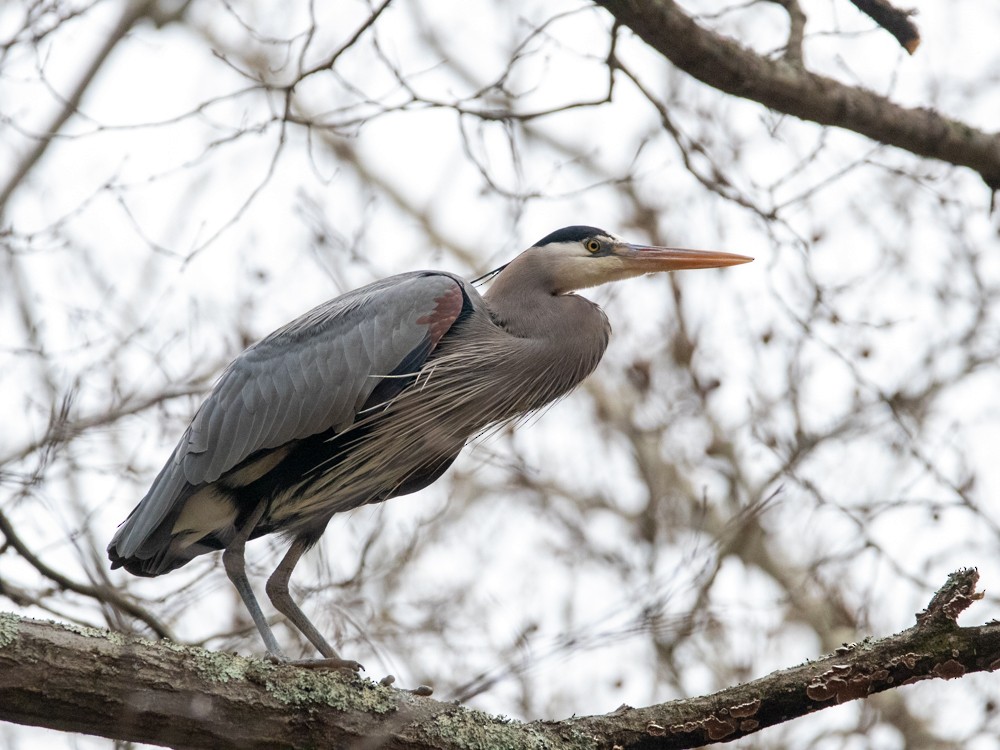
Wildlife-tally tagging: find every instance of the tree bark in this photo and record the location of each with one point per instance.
(99, 682)
(791, 89)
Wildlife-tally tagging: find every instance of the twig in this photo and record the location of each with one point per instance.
(897, 22)
(104, 594)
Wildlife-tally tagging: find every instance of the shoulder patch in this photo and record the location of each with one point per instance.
(447, 308)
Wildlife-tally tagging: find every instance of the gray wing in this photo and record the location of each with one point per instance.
(309, 376)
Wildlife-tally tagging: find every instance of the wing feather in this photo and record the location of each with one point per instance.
(313, 374)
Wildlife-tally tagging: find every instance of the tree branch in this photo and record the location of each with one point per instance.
(131, 14)
(897, 22)
(784, 87)
(101, 593)
(97, 682)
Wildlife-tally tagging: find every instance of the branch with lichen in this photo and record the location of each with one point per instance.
(98, 682)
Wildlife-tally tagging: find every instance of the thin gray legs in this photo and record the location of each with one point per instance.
(277, 591)
(235, 563)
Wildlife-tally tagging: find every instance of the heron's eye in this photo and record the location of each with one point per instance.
(593, 245)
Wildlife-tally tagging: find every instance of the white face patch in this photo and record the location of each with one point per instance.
(574, 267)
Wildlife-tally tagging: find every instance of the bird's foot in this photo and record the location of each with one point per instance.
(330, 662)
(421, 690)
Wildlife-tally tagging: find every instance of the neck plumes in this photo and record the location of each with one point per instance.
(556, 338)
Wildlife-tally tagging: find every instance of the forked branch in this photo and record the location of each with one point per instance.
(791, 89)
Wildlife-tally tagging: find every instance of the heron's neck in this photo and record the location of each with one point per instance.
(524, 301)
(541, 344)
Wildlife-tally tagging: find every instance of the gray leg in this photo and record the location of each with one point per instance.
(277, 590)
(235, 564)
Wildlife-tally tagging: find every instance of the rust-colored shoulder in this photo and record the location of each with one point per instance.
(447, 309)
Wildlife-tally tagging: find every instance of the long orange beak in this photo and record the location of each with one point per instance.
(648, 259)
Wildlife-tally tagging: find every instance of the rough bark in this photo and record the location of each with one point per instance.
(787, 87)
(103, 683)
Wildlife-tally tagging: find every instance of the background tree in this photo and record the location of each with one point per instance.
(772, 461)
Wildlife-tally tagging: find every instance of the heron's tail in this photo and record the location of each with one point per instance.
(158, 562)
(151, 542)
(153, 555)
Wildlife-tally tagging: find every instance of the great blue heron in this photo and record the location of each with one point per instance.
(373, 395)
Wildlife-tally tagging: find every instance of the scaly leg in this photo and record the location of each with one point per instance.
(235, 563)
(277, 590)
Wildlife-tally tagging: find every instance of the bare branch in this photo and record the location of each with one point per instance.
(784, 87)
(897, 22)
(131, 14)
(101, 593)
(185, 696)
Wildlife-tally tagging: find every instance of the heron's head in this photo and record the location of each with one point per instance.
(578, 257)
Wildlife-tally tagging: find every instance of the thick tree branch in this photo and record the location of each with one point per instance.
(108, 684)
(788, 88)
